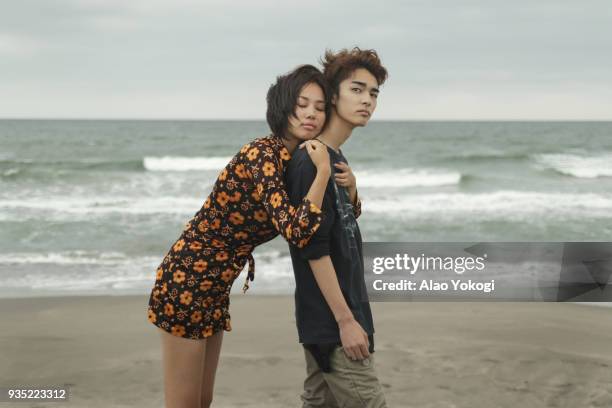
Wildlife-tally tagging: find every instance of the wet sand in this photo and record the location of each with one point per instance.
(438, 355)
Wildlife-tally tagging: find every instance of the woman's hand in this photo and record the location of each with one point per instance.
(345, 176)
(318, 154)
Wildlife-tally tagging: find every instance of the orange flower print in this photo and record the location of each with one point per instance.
(222, 256)
(276, 200)
(284, 154)
(207, 302)
(195, 246)
(155, 294)
(235, 197)
(200, 266)
(203, 226)
(241, 235)
(178, 330)
(236, 218)
(186, 297)
(240, 171)
(206, 285)
(252, 155)
(227, 275)
(269, 169)
(178, 246)
(222, 198)
(245, 249)
(178, 276)
(169, 309)
(151, 316)
(196, 316)
(190, 296)
(223, 175)
(261, 215)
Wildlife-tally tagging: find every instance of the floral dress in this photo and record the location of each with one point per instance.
(247, 207)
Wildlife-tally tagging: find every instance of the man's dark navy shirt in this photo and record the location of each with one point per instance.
(340, 238)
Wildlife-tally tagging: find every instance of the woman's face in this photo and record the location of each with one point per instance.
(309, 113)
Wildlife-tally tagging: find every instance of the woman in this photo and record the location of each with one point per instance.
(247, 207)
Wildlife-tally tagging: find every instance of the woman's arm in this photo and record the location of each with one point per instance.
(295, 224)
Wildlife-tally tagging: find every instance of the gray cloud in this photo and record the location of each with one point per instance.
(209, 59)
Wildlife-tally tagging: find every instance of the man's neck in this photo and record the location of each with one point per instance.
(337, 132)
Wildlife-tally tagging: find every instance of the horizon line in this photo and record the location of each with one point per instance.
(263, 120)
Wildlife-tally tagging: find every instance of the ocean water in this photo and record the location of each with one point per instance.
(91, 207)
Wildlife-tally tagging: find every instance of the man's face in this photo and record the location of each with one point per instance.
(356, 99)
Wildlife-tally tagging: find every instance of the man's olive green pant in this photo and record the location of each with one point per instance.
(350, 384)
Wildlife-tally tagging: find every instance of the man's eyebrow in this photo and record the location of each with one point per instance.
(365, 86)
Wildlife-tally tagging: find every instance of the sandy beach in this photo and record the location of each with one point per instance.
(438, 355)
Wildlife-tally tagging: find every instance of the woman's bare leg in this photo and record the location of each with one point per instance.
(182, 362)
(209, 368)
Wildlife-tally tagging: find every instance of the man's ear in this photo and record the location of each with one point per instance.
(334, 99)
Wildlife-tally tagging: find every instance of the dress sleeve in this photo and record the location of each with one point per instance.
(296, 224)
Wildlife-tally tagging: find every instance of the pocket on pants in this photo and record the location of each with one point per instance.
(359, 380)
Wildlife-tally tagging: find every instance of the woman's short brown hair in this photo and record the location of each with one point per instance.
(340, 65)
(283, 95)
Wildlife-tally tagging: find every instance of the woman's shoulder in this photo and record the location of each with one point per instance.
(267, 141)
(259, 142)
(265, 146)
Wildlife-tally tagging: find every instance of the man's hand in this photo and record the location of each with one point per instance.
(354, 339)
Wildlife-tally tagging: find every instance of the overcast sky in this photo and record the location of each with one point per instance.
(447, 59)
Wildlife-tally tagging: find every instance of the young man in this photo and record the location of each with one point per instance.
(333, 314)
